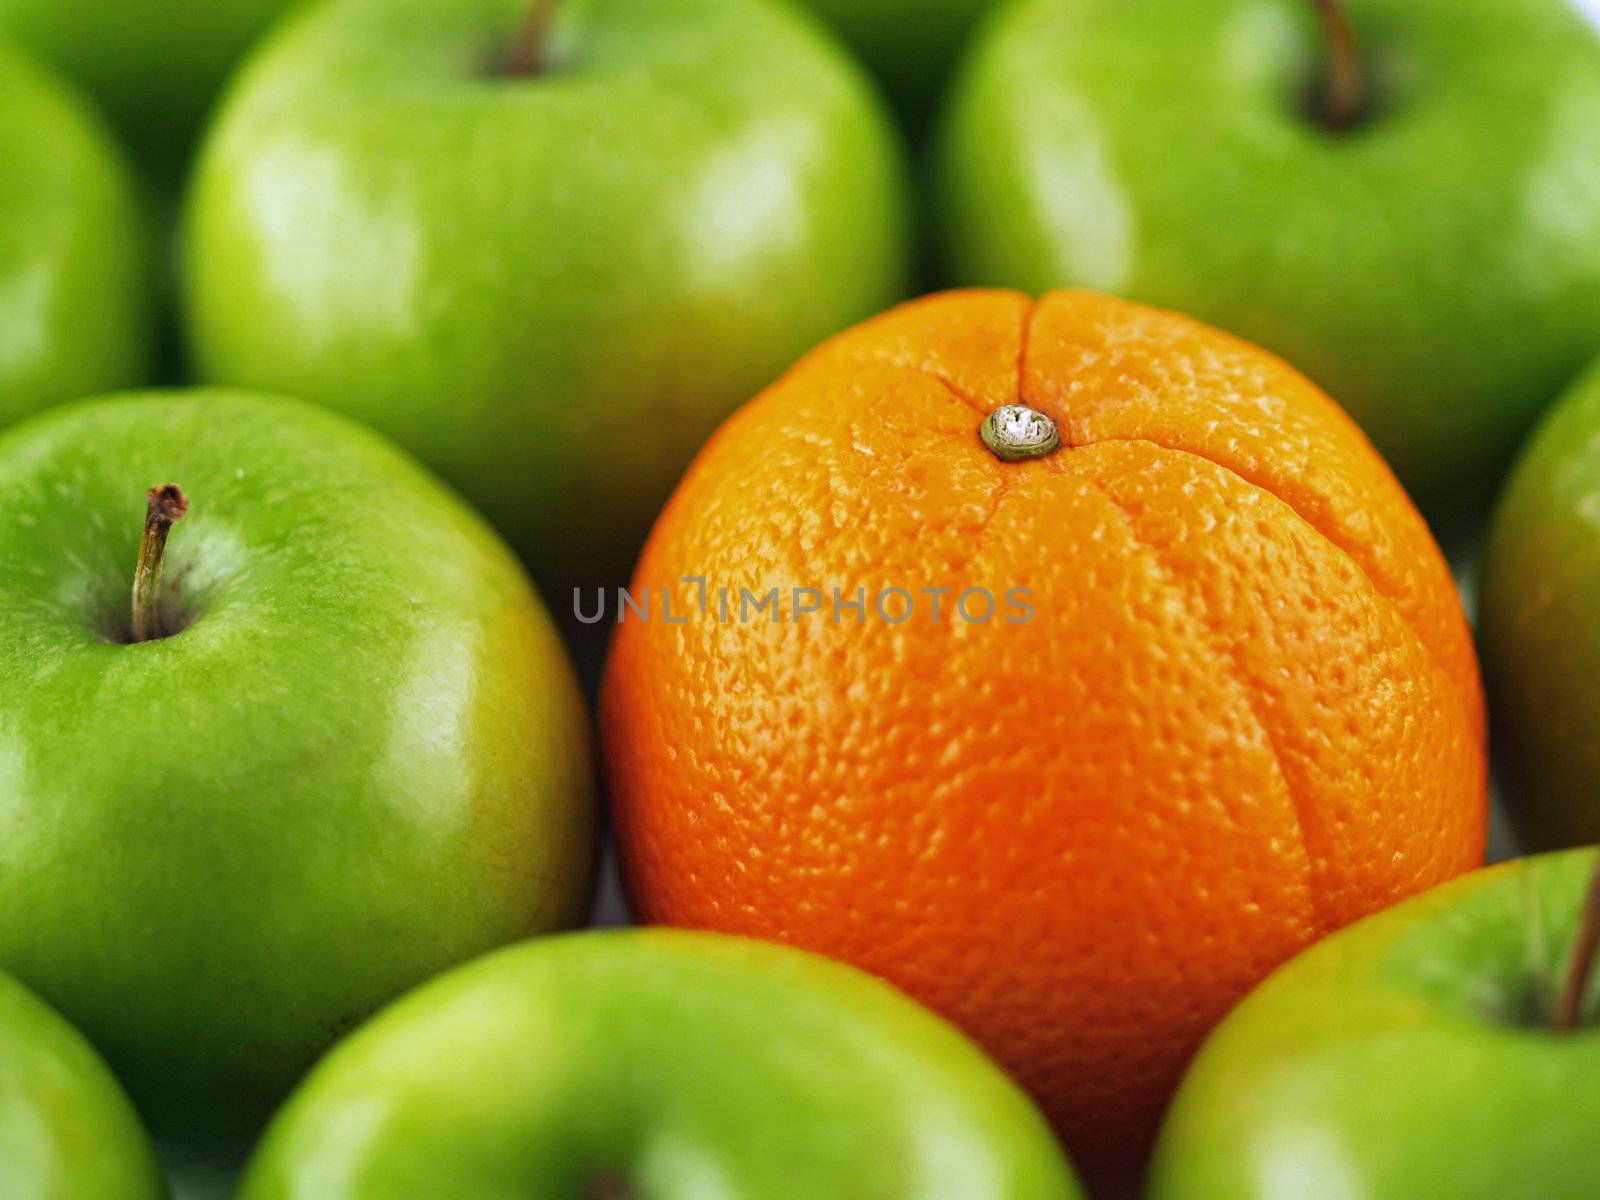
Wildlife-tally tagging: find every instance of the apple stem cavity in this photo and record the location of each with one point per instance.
(1343, 93)
(527, 53)
(164, 507)
(1581, 970)
(608, 1187)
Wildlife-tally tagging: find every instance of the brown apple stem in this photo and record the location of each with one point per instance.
(164, 506)
(1343, 93)
(526, 55)
(1584, 951)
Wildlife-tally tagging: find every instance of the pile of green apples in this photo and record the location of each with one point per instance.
(334, 332)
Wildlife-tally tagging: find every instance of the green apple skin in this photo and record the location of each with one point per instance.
(154, 66)
(1436, 268)
(912, 46)
(662, 1064)
(1405, 1058)
(67, 1130)
(76, 305)
(550, 287)
(362, 761)
(1539, 626)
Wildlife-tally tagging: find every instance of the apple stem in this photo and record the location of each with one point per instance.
(164, 506)
(1584, 951)
(526, 56)
(1341, 100)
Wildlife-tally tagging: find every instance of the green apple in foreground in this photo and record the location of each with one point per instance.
(911, 45)
(76, 306)
(548, 258)
(1446, 1049)
(347, 754)
(67, 1131)
(664, 1065)
(1420, 234)
(1540, 626)
(155, 66)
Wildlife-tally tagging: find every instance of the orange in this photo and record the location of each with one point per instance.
(1245, 710)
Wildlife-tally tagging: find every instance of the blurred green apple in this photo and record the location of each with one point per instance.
(661, 1064)
(326, 747)
(67, 1131)
(1430, 255)
(911, 45)
(1420, 1054)
(547, 259)
(76, 304)
(1539, 626)
(155, 66)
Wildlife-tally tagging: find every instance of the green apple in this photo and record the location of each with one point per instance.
(76, 304)
(1421, 1054)
(1430, 255)
(155, 66)
(661, 1064)
(1539, 626)
(348, 754)
(548, 260)
(911, 45)
(67, 1131)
